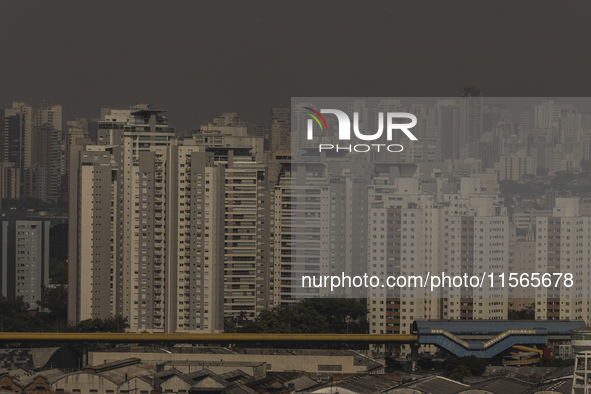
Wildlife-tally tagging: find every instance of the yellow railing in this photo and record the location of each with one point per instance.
(182, 337)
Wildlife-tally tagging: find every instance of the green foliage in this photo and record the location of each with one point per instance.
(58, 254)
(459, 373)
(528, 313)
(235, 323)
(112, 324)
(58, 242)
(316, 315)
(58, 271)
(15, 317)
(12, 306)
(56, 300)
(562, 178)
(458, 368)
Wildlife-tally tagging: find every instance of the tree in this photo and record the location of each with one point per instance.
(459, 367)
(89, 325)
(56, 300)
(15, 316)
(316, 315)
(527, 313)
(235, 323)
(459, 373)
(58, 254)
(562, 179)
(58, 238)
(12, 306)
(116, 323)
(58, 271)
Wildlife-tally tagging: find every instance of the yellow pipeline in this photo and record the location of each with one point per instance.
(182, 337)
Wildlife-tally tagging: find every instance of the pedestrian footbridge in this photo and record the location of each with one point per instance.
(486, 338)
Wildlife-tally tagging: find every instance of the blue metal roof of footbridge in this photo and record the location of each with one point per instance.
(498, 335)
(493, 327)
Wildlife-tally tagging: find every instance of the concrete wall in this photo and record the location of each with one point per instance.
(276, 363)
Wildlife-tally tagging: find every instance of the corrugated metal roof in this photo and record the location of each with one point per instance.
(302, 383)
(436, 385)
(503, 385)
(366, 384)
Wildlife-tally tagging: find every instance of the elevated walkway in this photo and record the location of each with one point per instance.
(487, 339)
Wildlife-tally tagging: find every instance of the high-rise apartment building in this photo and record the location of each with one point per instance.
(280, 128)
(410, 234)
(48, 118)
(470, 116)
(188, 249)
(134, 146)
(315, 230)
(562, 247)
(76, 129)
(15, 148)
(475, 242)
(403, 240)
(522, 260)
(32, 141)
(546, 115)
(17, 135)
(448, 118)
(10, 181)
(94, 267)
(515, 165)
(43, 178)
(187, 224)
(247, 202)
(247, 254)
(229, 131)
(47, 113)
(571, 129)
(24, 256)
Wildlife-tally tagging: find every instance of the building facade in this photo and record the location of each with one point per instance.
(24, 257)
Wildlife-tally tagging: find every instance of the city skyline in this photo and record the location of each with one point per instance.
(213, 232)
(150, 178)
(209, 185)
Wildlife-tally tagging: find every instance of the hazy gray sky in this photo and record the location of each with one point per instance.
(198, 58)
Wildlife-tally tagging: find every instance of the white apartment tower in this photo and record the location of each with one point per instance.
(248, 274)
(316, 230)
(563, 242)
(93, 275)
(24, 256)
(403, 240)
(475, 241)
(410, 234)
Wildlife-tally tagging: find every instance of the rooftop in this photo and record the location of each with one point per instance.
(498, 326)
